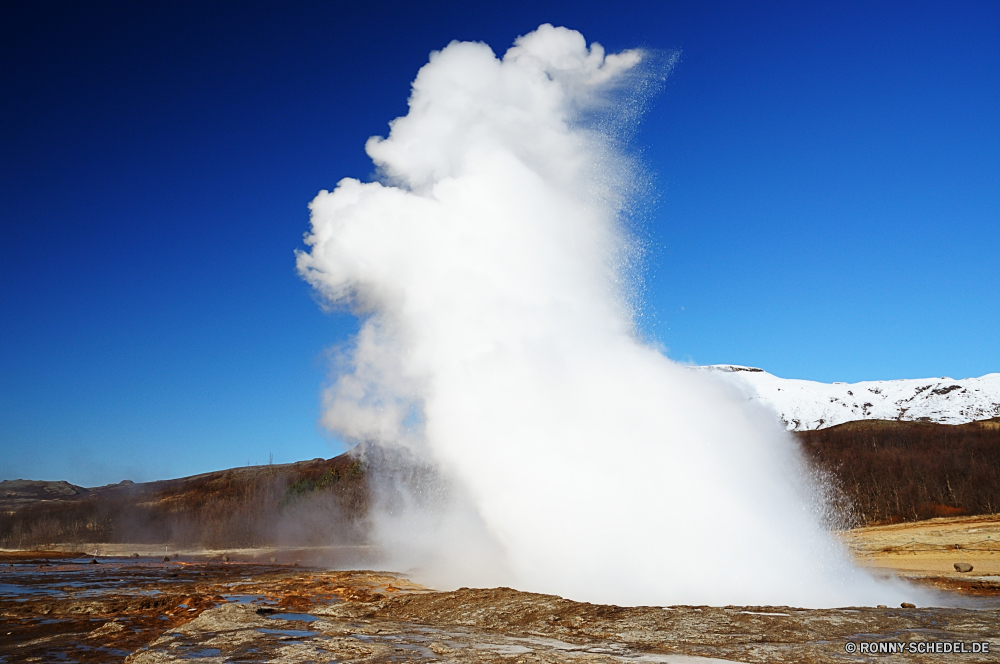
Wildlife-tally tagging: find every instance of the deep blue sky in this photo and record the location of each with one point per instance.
(828, 178)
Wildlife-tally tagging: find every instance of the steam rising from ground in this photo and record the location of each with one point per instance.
(491, 268)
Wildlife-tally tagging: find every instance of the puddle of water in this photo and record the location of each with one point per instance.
(199, 654)
(79, 579)
(17, 590)
(302, 617)
(243, 599)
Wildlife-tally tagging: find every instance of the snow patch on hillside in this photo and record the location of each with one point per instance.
(804, 404)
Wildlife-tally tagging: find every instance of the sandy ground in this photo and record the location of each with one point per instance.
(927, 551)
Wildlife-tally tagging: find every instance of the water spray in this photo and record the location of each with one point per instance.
(493, 273)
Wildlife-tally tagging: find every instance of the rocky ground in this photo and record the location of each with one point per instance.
(61, 607)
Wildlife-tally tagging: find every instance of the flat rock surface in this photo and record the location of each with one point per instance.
(142, 611)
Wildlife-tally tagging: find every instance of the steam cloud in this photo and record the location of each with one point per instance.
(491, 269)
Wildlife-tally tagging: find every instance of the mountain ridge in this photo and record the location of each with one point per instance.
(805, 405)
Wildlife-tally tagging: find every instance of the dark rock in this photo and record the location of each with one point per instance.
(963, 567)
(166, 559)
(907, 605)
(93, 561)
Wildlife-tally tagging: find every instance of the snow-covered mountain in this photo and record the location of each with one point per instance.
(806, 404)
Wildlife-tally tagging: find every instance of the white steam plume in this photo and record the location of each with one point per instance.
(498, 344)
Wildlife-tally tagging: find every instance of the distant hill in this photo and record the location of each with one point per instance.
(317, 502)
(15, 494)
(805, 405)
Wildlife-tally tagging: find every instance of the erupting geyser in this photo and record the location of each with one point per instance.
(491, 270)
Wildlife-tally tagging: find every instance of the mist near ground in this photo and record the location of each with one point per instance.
(318, 503)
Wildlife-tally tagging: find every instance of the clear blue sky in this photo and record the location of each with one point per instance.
(828, 180)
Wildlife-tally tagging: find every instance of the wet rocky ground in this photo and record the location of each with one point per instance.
(64, 608)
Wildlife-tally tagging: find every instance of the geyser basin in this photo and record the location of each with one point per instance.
(493, 274)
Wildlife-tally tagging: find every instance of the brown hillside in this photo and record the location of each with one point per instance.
(906, 471)
(316, 502)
